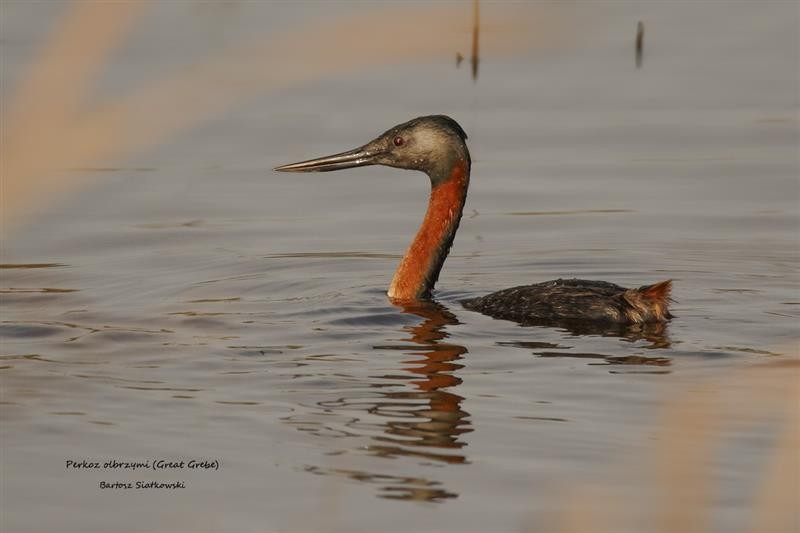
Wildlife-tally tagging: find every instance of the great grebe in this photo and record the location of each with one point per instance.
(436, 145)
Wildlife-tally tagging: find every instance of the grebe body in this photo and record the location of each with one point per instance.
(578, 300)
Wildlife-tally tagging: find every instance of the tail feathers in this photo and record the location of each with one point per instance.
(649, 303)
(658, 292)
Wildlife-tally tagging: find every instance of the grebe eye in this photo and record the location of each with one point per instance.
(398, 141)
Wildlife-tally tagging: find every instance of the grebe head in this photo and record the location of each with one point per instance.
(431, 144)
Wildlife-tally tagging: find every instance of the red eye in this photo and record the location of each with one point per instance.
(398, 141)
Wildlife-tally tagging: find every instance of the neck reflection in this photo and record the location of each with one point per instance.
(437, 421)
(419, 417)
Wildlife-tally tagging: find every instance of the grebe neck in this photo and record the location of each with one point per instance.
(419, 269)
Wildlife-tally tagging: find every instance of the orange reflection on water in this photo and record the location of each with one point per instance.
(422, 420)
(440, 423)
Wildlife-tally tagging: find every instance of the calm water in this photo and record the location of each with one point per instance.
(194, 304)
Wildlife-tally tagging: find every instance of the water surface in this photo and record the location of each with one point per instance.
(194, 304)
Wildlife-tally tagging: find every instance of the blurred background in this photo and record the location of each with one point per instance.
(165, 295)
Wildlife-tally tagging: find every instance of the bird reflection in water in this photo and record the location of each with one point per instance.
(656, 334)
(424, 420)
(439, 421)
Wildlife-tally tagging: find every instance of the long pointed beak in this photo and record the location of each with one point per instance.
(359, 157)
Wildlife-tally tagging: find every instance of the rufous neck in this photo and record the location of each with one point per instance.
(419, 269)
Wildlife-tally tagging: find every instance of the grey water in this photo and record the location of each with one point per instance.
(193, 304)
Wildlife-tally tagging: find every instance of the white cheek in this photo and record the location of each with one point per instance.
(427, 141)
(426, 145)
